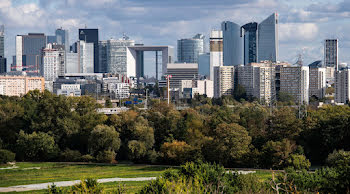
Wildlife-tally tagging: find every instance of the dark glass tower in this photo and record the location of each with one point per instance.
(250, 33)
(233, 43)
(91, 36)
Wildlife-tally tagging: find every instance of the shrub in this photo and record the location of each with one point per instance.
(89, 185)
(53, 189)
(87, 158)
(338, 158)
(106, 156)
(71, 155)
(6, 156)
(298, 161)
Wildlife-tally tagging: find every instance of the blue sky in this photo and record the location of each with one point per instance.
(303, 24)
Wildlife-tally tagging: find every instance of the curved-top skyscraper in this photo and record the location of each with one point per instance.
(250, 35)
(189, 49)
(233, 43)
(268, 39)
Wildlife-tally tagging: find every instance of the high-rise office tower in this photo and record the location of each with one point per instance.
(85, 57)
(268, 39)
(331, 53)
(233, 44)
(250, 36)
(204, 64)
(91, 36)
(342, 86)
(62, 38)
(216, 51)
(72, 62)
(224, 80)
(189, 49)
(29, 52)
(317, 80)
(113, 55)
(3, 64)
(2, 41)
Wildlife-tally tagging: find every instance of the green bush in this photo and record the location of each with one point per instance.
(298, 162)
(106, 156)
(71, 156)
(87, 158)
(6, 156)
(89, 185)
(338, 158)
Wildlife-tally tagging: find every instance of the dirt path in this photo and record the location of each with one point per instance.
(41, 186)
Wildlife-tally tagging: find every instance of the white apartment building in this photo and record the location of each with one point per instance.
(258, 79)
(342, 86)
(317, 79)
(189, 88)
(223, 80)
(294, 80)
(53, 65)
(216, 51)
(20, 85)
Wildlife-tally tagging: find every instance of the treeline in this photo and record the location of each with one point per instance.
(47, 127)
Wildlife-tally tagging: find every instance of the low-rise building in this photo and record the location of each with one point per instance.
(20, 85)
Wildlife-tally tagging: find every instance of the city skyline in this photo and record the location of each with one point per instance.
(302, 29)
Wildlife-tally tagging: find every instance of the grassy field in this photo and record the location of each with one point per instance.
(50, 172)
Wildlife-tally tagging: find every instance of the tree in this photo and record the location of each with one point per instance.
(275, 154)
(177, 152)
(229, 145)
(36, 147)
(104, 138)
(284, 124)
(108, 103)
(239, 93)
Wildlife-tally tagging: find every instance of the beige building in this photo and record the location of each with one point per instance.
(317, 82)
(342, 86)
(258, 79)
(20, 85)
(294, 80)
(223, 80)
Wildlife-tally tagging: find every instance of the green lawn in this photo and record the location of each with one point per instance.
(50, 172)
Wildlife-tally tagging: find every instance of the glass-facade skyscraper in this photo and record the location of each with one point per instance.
(2, 41)
(331, 53)
(113, 55)
(62, 38)
(3, 65)
(250, 36)
(233, 43)
(29, 52)
(268, 39)
(189, 49)
(91, 36)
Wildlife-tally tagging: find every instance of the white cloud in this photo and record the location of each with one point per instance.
(298, 32)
